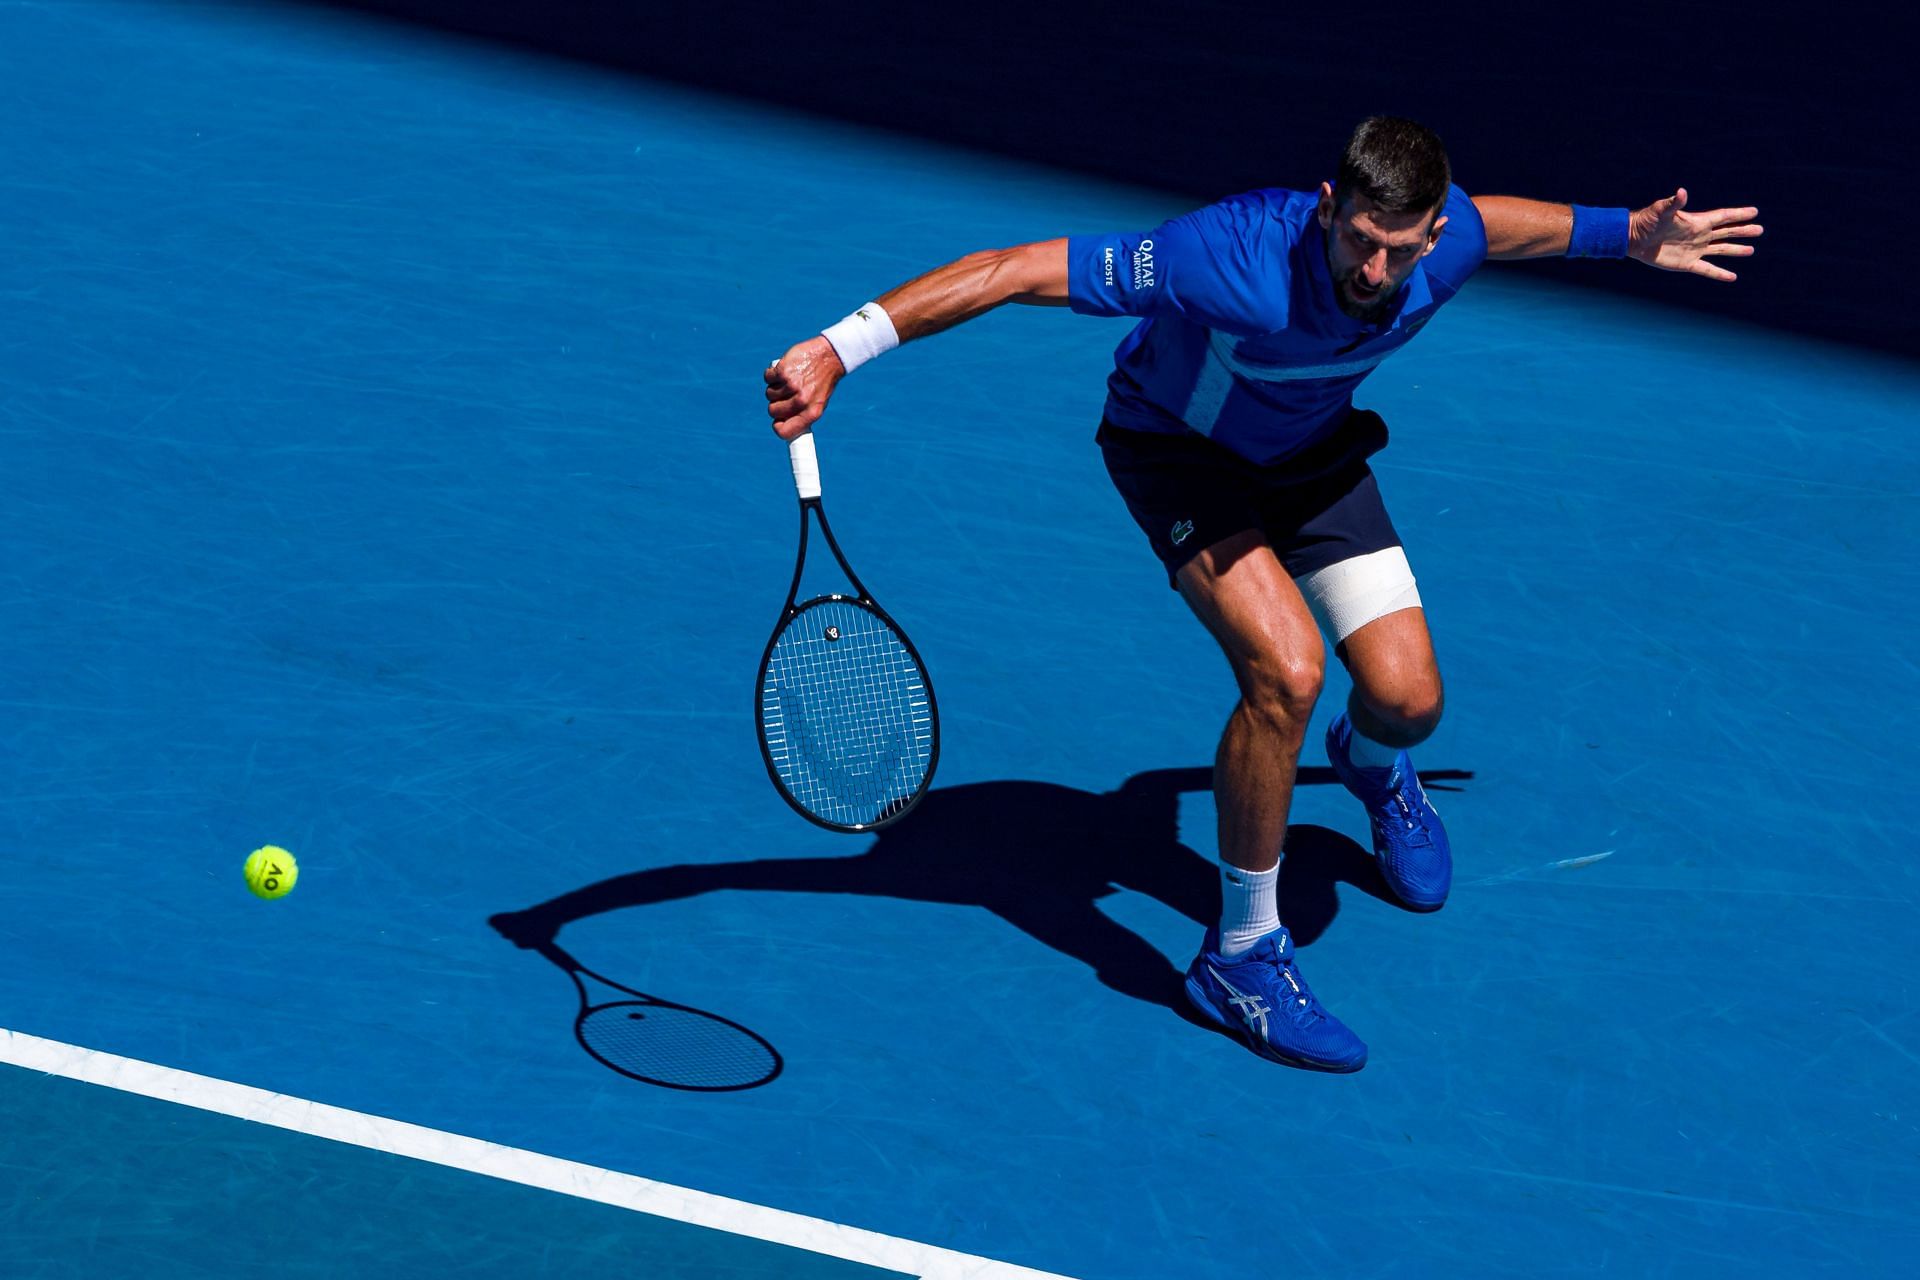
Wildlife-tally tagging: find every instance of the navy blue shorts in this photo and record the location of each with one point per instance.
(1317, 508)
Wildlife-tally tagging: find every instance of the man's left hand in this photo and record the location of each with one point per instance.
(1665, 235)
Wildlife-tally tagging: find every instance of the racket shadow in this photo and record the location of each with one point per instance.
(1038, 855)
(661, 1042)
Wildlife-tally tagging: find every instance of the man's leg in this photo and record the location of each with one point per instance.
(1354, 574)
(1245, 978)
(1395, 704)
(1396, 698)
(1239, 590)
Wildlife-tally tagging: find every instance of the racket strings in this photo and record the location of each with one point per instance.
(848, 719)
(683, 1048)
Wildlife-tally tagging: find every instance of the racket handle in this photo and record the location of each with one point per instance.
(806, 466)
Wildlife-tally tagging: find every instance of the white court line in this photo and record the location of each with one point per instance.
(509, 1164)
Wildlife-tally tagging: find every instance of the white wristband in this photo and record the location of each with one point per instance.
(863, 335)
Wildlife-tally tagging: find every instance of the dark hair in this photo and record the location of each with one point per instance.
(1397, 164)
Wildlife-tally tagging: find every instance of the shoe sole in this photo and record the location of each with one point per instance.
(1424, 908)
(1198, 1000)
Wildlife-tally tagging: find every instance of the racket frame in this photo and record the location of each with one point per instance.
(806, 475)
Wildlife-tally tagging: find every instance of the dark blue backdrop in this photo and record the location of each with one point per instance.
(1792, 108)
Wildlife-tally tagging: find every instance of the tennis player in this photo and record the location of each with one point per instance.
(1231, 434)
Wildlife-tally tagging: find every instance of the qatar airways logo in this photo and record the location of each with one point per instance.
(1143, 266)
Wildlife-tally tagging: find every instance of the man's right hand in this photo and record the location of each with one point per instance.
(799, 384)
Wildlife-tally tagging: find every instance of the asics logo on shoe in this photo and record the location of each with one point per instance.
(1252, 1009)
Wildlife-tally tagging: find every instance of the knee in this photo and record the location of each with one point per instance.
(1282, 687)
(1410, 711)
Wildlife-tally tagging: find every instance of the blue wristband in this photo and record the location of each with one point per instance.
(1598, 233)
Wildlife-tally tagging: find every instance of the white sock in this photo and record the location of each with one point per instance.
(1249, 909)
(1368, 754)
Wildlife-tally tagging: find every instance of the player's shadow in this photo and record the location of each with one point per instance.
(1038, 855)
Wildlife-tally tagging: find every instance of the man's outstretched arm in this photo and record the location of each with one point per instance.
(1661, 235)
(800, 382)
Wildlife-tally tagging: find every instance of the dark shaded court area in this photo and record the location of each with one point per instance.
(1798, 109)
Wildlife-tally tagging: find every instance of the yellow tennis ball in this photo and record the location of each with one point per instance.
(271, 871)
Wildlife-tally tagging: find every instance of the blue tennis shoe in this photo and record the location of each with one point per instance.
(1261, 996)
(1408, 840)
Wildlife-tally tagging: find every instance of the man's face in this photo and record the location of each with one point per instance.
(1370, 253)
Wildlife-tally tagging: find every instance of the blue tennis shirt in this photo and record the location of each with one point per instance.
(1240, 337)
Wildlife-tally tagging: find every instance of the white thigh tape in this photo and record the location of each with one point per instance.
(1347, 596)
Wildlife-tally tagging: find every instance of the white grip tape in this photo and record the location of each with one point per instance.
(806, 466)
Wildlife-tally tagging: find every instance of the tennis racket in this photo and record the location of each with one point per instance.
(847, 720)
(661, 1043)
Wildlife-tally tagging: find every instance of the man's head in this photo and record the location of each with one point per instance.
(1382, 215)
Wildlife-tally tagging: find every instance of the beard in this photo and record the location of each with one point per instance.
(1353, 308)
(1367, 312)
